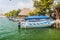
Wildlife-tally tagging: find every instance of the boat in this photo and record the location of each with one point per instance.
(14, 19)
(36, 22)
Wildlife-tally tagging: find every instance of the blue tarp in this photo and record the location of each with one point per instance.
(37, 17)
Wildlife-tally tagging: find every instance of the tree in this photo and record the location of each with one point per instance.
(34, 12)
(57, 9)
(8, 14)
(43, 6)
(13, 13)
(31, 13)
(18, 11)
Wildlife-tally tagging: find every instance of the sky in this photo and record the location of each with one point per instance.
(8, 5)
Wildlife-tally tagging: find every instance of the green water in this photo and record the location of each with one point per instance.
(10, 31)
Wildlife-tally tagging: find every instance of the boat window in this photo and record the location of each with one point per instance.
(44, 19)
(37, 20)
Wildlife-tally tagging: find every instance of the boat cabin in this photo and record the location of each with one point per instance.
(37, 18)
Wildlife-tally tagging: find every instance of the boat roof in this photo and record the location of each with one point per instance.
(37, 17)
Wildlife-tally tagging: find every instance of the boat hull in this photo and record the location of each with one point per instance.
(36, 24)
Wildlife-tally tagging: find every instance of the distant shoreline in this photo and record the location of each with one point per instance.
(2, 16)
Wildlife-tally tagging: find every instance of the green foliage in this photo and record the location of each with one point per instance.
(43, 6)
(31, 13)
(34, 12)
(13, 13)
(57, 7)
(8, 14)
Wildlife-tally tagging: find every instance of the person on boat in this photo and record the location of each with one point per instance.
(19, 25)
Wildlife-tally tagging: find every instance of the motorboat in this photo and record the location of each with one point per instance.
(36, 22)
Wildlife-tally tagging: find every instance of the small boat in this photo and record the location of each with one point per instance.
(14, 19)
(11, 18)
(36, 22)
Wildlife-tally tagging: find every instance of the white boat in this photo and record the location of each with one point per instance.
(36, 22)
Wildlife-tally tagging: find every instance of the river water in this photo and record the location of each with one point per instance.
(9, 31)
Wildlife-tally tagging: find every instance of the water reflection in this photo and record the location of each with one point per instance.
(42, 33)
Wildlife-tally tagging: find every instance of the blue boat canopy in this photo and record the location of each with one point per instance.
(37, 17)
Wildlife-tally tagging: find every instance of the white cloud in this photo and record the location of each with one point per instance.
(0, 0)
(6, 6)
(25, 4)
